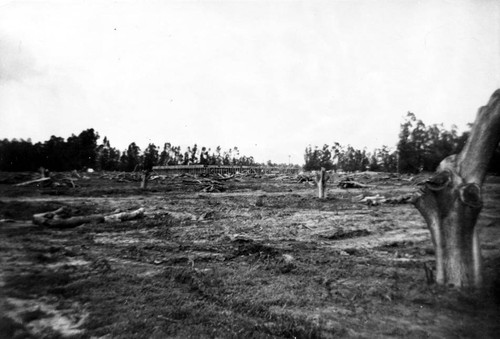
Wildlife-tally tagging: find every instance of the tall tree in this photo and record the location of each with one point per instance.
(406, 146)
(104, 161)
(150, 157)
(165, 155)
(54, 151)
(83, 149)
(132, 157)
(312, 159)
(204, 157)
(387, 159)
(193, 157)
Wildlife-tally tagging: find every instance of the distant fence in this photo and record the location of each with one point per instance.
(214, 169)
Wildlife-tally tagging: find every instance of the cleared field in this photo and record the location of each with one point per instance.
(264, 258)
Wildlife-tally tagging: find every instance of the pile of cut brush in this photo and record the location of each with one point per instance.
(350, 183)
(204, 184)
(305, 177)
(123, 176)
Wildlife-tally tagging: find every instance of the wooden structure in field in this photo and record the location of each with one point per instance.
(214, 169)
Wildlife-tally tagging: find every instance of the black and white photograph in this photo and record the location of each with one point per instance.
(249, 169)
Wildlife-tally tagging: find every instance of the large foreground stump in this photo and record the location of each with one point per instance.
(451, 201)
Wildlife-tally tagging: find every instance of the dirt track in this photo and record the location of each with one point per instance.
(265, 258)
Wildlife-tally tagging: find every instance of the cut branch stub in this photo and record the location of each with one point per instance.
(470, 194)
(439, 181)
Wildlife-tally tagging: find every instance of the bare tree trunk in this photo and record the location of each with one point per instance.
(451, 201)
(321, 179)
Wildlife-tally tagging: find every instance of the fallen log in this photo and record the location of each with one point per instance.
(379, 199)
(61, 218)
(55, 219)
(124, 216)
(36, 181)
(402, 199)
(373, 200)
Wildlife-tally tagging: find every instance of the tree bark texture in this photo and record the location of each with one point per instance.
(451, 201)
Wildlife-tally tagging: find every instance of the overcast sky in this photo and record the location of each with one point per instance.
(269, 77)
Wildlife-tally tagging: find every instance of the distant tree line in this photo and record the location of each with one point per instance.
(56, 153)
(84, 151)
(347, 158)
(420, 148)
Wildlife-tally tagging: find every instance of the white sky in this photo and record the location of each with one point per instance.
(269, 77)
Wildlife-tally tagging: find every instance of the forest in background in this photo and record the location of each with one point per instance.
(84, 151)
(420, 148)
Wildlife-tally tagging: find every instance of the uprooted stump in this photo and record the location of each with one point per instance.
(451, 200)
(61, 218)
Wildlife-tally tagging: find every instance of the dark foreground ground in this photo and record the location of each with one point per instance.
(262, 259)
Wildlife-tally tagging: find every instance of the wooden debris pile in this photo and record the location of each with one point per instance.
(350, 183)
(55, 180)
(371, 179)
(225, 177)
(157, 177)
(285, 177)
(122, 176)
(205, 184)
(305, 177)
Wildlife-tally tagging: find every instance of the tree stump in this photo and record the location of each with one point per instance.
(451, 200)
(321, 179)
(144, 179)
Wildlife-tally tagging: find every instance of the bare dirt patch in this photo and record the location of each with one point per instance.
(264, 258)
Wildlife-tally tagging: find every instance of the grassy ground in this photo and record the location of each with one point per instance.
(264, 259)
